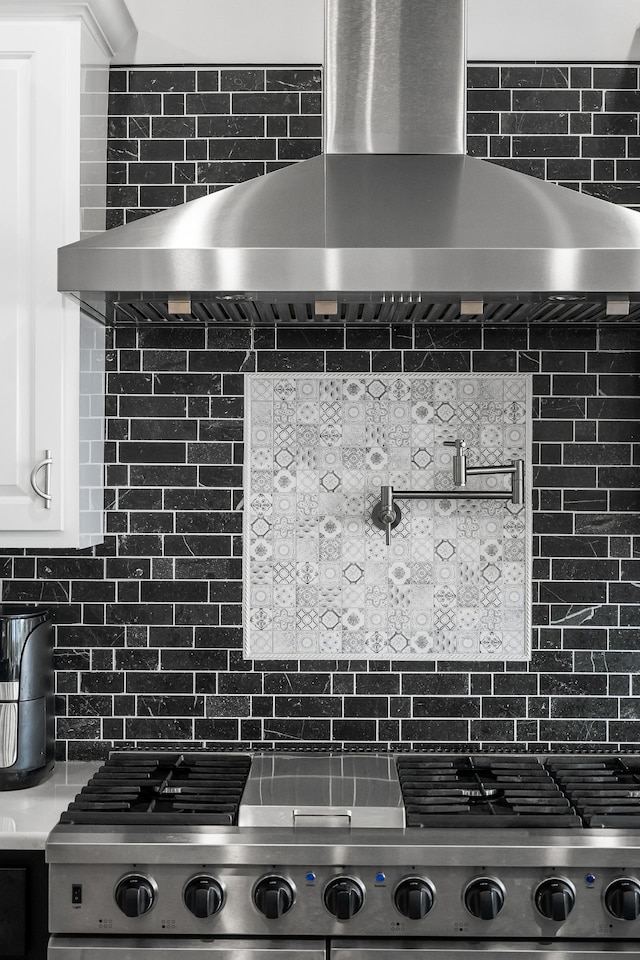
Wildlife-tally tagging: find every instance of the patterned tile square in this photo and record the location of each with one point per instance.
(320, 581)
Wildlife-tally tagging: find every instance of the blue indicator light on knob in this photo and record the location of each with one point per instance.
(380, 877)
(590, 879)
(310, 877)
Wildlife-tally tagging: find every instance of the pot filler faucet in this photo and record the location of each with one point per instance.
(386, 513)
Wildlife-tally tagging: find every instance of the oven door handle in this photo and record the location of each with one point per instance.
(322, 817)
(426, 949)
(180, 948)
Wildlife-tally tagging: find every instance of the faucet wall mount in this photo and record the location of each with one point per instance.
(386, 513)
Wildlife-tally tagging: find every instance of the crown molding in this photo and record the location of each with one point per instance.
(109, 21)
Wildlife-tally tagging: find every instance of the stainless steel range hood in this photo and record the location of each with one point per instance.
(392, 223)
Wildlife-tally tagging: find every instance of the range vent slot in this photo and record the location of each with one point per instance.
(129, 310)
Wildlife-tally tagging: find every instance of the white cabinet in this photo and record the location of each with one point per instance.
(51, 358)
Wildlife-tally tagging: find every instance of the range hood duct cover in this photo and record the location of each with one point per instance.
(393, 212)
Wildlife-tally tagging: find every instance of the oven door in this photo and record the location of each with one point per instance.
(23, 905)
(421, 949)
(183, 948)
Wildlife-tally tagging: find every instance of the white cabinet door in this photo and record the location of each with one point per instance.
(40, 346)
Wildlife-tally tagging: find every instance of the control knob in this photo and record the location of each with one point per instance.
(273, 896)
(555, 899)
(344, 897)
(484, 898)
(135, 895)
(414, 898)
(622, 899)
(203, 896)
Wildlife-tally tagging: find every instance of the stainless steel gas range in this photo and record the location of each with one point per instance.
(348, 856)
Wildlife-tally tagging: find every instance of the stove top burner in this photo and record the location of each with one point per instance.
(437, 791)
(604, 790)
(442, 791)
(177, 789)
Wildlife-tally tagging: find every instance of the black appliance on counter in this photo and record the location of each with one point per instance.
(205, 856)
(27, 737)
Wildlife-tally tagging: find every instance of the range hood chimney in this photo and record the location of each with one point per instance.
(395, 77)
(392, 223)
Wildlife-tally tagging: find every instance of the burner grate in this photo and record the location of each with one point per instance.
(478, 791)
(165, 789)
(604, 790)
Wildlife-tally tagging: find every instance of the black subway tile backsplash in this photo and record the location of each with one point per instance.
(536, 77)
(517, 123)
(533, 100)
(547, 146)
(478, 77)
(615, 77)
(488, 100)
(149, 625)
(263, 103)
(242, 79)
(568, 124)
(611, 124)
(294, 79)
(134, 104)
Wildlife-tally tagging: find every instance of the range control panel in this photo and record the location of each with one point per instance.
(409, 900)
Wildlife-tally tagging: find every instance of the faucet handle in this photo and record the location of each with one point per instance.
(460, 445)
(386, 513)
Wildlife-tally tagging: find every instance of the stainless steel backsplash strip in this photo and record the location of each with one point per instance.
(8, 734)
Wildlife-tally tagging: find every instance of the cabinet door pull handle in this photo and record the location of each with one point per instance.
(45, 494)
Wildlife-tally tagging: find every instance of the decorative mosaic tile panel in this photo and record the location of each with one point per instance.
(320, 581)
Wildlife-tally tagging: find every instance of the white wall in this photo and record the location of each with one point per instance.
(226, 31)
(291, 31)
(554, 30)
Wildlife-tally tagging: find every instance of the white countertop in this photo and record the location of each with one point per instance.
(27, 816)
